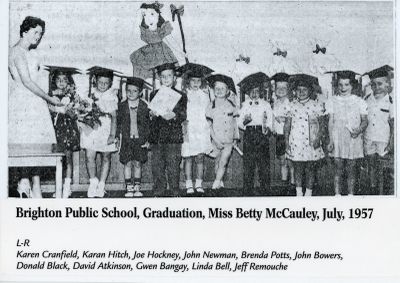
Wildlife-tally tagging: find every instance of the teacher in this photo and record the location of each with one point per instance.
(29, 120)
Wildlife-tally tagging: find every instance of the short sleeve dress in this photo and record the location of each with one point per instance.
(197, 139)
(302, 115)
(346, 114)
(96, 138)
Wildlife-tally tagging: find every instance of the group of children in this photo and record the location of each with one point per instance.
(206, 120)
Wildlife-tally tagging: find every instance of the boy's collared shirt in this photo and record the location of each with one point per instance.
(256, 108)
(133, 107)
(223, 117)
(380, 111)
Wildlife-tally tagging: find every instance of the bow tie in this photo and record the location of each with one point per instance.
(133, 108)
(251, 102)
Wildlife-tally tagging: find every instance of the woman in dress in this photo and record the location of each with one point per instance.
(29, 117)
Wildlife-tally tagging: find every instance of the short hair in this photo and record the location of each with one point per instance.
(29, 23)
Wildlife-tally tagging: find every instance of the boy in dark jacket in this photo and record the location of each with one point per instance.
(133, 123)
(166, 136)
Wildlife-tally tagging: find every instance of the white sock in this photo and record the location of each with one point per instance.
(299, 191)
(199, 183)
(189, 184)
(67, 181)
(308, 193)
(216, 184)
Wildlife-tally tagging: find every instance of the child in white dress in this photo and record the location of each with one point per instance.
(101, 138)
(347, 121)
(197, 140)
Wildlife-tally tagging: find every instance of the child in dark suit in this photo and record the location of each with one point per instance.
(166, 136)
(133, 123)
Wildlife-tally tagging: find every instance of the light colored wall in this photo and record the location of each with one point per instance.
(81, 34)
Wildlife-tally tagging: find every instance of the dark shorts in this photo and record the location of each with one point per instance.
(280, 145)
(132, 152)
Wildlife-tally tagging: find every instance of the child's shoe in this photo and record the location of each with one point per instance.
(299, 191)
(92, 190)
(216, 185)
(24, 188)
(129, 191)
(308, 193)
(221, 184)
(101, 189)
(137, 192)
(199, 186)
(66, 193)
(189, 187)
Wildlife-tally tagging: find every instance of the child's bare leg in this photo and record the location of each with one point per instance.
(223, 162)
(310, 177)
(105, 166)
(137, 171)
(351, 178)
(372, 162)
(128, 172)
(69, 164)
(298, 177)
(91, 163)
(284, 167)
(199, 159)
(337, 181)
(36, 189)
(291, 170)
(188, 168)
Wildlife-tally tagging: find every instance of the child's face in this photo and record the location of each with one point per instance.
(302, 92)
(344, 86)
(103, 83)
(221, 90)
(254, 93)
(132, 92)
(195, 83)
(61, 82)
(151, 18)
(281, 89)
(380, 86)
(167, 78)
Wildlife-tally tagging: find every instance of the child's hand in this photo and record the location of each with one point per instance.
(247, 119)
(219, 145)
(389, 148)
(330, 146)
(146, 145)
(316, 143)
(111, 139)
(355, 133)
(280, 119)
(153, 113)
(169, 115)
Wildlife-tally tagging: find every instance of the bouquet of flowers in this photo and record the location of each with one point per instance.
(85, 111)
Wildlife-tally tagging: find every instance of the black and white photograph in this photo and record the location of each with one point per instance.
(156, 99)
(199, 141)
